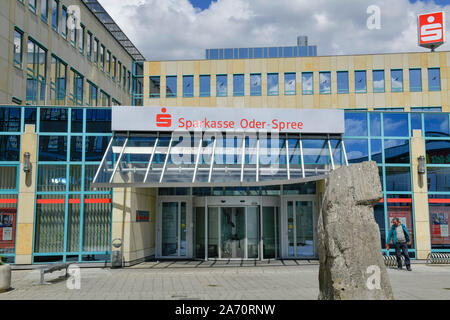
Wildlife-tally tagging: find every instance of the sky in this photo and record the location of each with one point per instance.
(183, 29)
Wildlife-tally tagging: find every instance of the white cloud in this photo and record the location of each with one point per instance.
(174, 29)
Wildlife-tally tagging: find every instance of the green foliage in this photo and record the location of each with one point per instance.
(1, 260)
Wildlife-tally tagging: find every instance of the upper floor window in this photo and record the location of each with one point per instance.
(77, 86)
(44, 10)
(55, 10)
(155, 87)
(307, 83)
(325, 82)
(255, 84)
(171, 86)
(114, 68)
(18, 48)
(73, 37)
(272, 84)
(64, 27)
(221, 85)
(434, 79)
(290, 83)
(360, 81)
(108, 62)
(378, 80)
(397, 80)
(102, 56)
(81, 39)
(124, 76)
(342, 81)
(415, 80)
(89, 45)
(93, 92)
(188, 86)
(57, 81)
(95, 49)
(238, 85)
(119, 69)
(32, 5)
(205, 85)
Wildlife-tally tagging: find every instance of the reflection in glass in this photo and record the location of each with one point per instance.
(171, 86)
(438, 151)
(398, 179)
(325, 82)
(205, 85)
(415, 80)
(396, 151)
(396, 80)
(213, 232)
(307, 82)
(304, 228)
(238, 85)
(200, 232)
(188, 86)
(438, 179)
(255, 84)
(289, 83)
(360, 82)
(342, 81)
(436, 125)
(221, 85)
(395, 125)
(357, 150)
(272, 84)
(169, 242)
(252, 232)
(268, 232)
(434, 79)
(378, 80)
(355, 124)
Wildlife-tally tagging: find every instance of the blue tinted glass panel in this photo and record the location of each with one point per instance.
(438, 151)
(395, 125)
(307, 83)
(255, 84)
(188, 86)
(220, 54)
(9, 147)
(98, 120)
(53, 120)
(357, 150)
(378, 80)
(213, 54)
(434, 79)
(238, 85)
(436, 125)
(272, 84)
(155, 87)
(416, 122)
(171, 86)
(76, 148)
(398, 179)
(355, 124)
(221, 85)
(360, 82)
(342, 81)
(273, 52)
(52, 148)
(205, 86)
(396, 151)
(236, 53)
(243, 53)
(396, 80)
(77, 120)
(376, 150)
(290, 83)
(258, 53)
(30, 115)
(375, 124)
(228, 54)
(438, 179)
(325, 82)
(287, 52)
(10, 119)
(303, 51)
(95, 148)
(415, 80)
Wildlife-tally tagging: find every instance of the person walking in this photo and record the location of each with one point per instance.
(401, 239)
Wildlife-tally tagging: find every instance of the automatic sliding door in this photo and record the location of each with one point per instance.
(300, 228)
(269, 242)
(252, 232)
(232, 232)
(173, 228)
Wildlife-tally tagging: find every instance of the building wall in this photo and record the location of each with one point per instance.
(17, 14)
(350, 63)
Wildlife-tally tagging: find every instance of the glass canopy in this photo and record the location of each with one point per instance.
(208, 158)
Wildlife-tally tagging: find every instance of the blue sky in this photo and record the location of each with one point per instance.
(438, 2)
(201, 4)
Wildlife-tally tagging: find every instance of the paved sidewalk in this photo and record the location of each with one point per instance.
(195, 280)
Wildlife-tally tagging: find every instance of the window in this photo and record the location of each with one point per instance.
(89, 45)
(129, 81)
(76, 94)
(95, 50)
(415, 80)
(397, 80)
(64, 27)
(119, 69)
(73, 36)
(108, 62)
(57, 81)
(205, 85)
(102, 56)
(378, 80)
(32, 5)
(114, 68)
(81, 39)
(115, 102)
(272, 84)
(307, 83)
(105, 99)
(221, 85)
(93, 90)
(171, 86)
(188, 86)
(255, 84)
(290, 83)
(342, 81)
(18, 48)
(36, 72)
(325, 82)
(124, 77)
(434, 79)
(44, 10)
(360, 81)
(55, 10)
(238, 85)
(155, 87)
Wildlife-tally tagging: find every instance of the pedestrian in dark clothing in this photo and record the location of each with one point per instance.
(401, 239)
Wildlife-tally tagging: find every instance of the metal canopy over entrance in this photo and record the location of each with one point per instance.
(158, 159)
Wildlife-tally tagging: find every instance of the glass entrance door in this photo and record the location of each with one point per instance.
(232, 232)
(300, 224)
(173, 229)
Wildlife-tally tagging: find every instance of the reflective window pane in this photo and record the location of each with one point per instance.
(415, 80)
(307, 82)
(52, 148)
(272, 84)
(439, 218)
(188, 86)
(238, 85)
(221, 85)
(395, 125)
(342, 81)
(376, 150)
(378, 80)
(355, 124)
(438, 179)
(375, 124)
(155, 87)
(289, 83)
(205, 85)
(357, 150)
(396, 151)
(171, 86)
(438, 151)
(360, 82)
(436, 125)
(396, 80)
(325, 82)
(398, 179)
(255, 84)
(434, 79)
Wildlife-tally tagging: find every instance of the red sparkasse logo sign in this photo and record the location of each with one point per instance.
(163, 120)
(431, 29)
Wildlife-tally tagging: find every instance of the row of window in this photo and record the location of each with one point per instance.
(36, 89)
(290, 86)
(94, 50)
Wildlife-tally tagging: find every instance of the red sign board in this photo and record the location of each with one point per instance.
(431, 29)
(7, 228)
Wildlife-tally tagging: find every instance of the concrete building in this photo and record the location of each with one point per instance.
(171, 185)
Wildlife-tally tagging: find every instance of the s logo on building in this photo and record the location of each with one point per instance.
(431, 29)
(163, 120)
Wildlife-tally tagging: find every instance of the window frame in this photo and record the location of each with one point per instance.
(396, 89)
(291, 92)
(340, 91)
(320, 90)
(384, 81)
(307, 92)
(440, 81)
(365, 78)
(18, 64)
